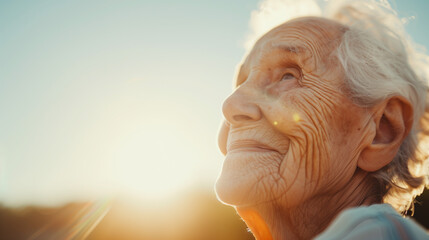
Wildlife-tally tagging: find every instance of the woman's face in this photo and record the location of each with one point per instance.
(289, 132)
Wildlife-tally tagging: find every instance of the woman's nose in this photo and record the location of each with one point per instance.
(240, 108)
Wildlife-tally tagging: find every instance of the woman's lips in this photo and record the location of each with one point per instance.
(248, 146)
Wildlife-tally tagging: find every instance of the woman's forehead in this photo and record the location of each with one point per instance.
(301, 33)
(309, 37)
(312, 26)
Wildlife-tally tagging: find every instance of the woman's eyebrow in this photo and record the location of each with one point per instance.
(290, 48)
(298, 52)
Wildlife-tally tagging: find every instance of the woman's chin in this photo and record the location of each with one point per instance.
(239, 183)
(232, 190)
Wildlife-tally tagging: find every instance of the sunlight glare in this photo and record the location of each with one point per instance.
(296, 117)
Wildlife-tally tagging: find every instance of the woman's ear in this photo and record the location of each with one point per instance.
(393, 120)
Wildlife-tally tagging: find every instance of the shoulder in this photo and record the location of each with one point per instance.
(379, 221)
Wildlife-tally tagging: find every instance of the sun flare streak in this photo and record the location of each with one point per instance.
(80, 226)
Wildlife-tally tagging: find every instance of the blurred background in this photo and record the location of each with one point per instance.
(109, 114)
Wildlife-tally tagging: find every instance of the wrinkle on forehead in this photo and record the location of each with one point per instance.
(322, 29)
(312, 39)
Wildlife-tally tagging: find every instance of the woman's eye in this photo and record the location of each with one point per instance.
(288, 76)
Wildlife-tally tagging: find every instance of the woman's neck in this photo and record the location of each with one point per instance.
(310, 218)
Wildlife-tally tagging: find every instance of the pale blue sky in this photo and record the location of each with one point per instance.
(119, 97)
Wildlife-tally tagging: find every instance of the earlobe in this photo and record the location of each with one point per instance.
(393, 120)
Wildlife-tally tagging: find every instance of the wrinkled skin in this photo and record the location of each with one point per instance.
(291, 137)
(286, 120)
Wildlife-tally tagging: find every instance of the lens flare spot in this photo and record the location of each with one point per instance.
(276, 123)
(296, 117)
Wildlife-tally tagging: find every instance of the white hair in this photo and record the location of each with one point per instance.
(380, 61)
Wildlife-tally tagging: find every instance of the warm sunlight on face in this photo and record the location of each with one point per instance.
(284, 118)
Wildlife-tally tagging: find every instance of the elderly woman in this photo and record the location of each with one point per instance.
(322, 132)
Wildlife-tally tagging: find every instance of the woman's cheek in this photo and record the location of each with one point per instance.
(287, 116)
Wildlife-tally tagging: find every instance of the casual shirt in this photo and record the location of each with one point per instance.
(378, 221)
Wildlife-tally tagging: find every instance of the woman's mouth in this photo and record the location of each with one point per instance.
(248, 145)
